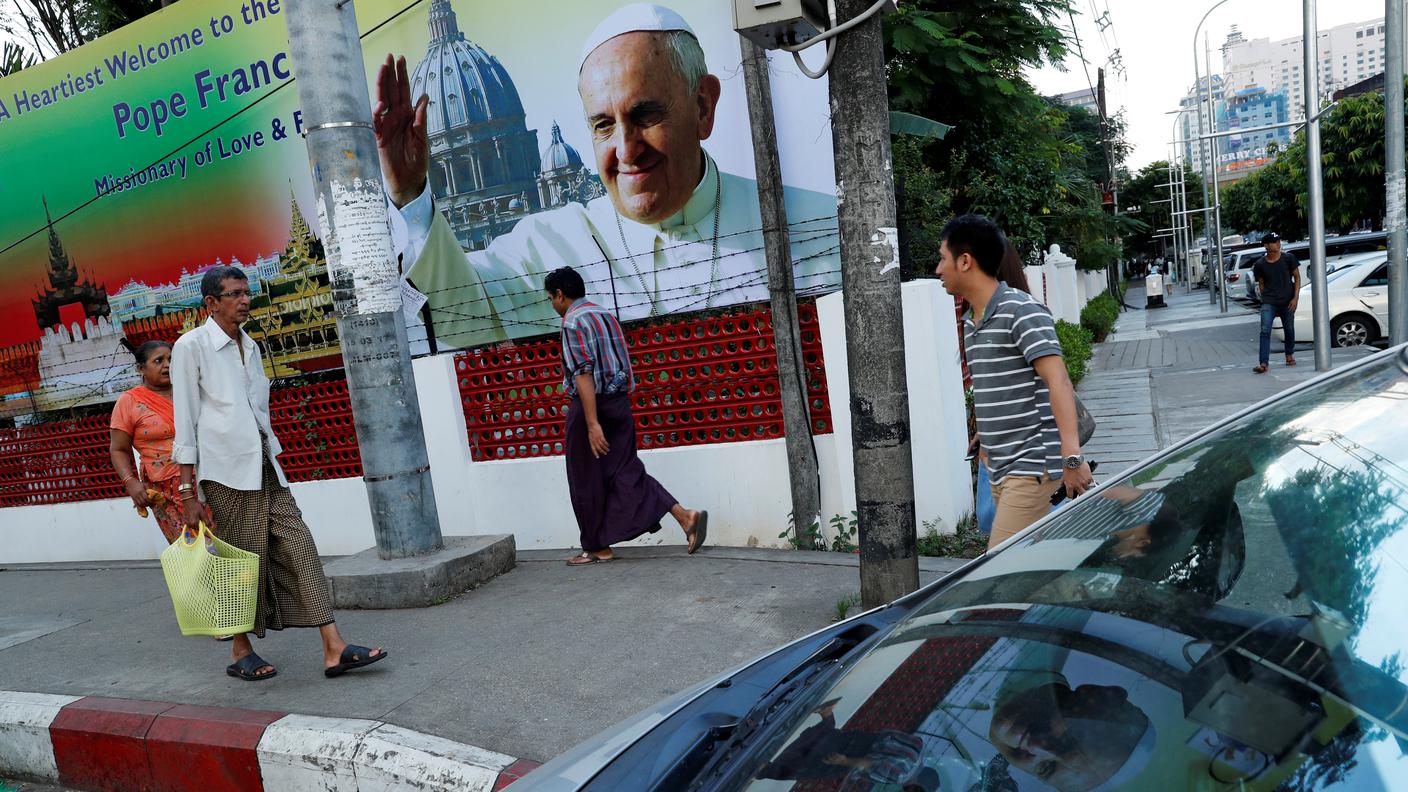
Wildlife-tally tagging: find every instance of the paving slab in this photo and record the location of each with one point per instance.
(1181, 369)
(528, 665)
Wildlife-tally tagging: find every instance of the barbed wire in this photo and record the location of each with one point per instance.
(754, 278)
(423, 337)
(543, 298)
(814, 235)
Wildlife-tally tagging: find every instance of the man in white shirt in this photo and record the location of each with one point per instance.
(674, 232)
(221, 400)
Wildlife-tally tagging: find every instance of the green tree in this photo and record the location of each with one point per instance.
(1239, 206)
(1028, 163)
(1352, 153)
(1146, 196)
(947, 55)
(1352, 162)
(1272, 199)
(51, 27)
(14, 58)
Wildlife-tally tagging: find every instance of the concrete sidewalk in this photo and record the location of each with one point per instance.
(1166, 373)
(528, 665)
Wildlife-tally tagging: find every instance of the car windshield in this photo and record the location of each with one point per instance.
(1225, 617)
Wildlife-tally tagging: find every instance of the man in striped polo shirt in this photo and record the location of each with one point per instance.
(1022, 395)
(614, 499)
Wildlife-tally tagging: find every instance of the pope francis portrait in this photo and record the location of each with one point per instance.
(674, 233)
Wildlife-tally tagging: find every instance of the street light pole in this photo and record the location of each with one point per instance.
(1181, 201)
(1216, 193)
(1209, 167)
(1179, 195)
(1173, 215)
(1315, 200)
(1396, 221)
(1187, 227)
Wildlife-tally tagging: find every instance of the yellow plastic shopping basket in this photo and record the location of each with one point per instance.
(214, 588)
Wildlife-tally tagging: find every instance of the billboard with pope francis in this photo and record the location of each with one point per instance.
(609, 136)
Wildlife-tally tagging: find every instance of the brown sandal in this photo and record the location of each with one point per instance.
(1259, 369)
(1290, 361)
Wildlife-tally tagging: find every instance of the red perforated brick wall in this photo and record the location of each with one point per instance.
(698, 381)
(314, 425)
(66, 461)
(57, 463)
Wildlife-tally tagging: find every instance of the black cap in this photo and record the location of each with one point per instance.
(1271, 237)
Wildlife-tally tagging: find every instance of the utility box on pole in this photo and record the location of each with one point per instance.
(870, 275)
(410, 565)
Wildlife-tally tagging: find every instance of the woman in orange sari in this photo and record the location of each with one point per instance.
(144, 420)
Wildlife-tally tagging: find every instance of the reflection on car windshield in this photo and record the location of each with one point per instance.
(1228, 617)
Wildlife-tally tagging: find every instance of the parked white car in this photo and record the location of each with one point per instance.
(1358, 300)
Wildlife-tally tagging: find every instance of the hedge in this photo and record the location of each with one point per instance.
(1075, 347)
(1099, 316)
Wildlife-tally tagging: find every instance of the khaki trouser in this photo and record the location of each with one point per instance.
(1021, 501)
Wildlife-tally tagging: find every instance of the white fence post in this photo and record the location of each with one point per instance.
(938, 418)
(1036, 279)
(1063, 291)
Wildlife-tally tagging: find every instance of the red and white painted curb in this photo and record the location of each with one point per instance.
(121, 745)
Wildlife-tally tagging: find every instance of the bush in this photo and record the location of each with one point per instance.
(1099, 316)
(1075, 347)
(965, 542)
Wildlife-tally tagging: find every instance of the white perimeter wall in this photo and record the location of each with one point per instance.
(743, 485)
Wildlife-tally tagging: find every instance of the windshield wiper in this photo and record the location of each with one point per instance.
(723, 742)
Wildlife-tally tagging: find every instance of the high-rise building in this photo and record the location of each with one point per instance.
(1195, 121)
(1349, 54)
(1252, 109)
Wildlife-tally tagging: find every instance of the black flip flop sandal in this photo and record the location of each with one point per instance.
(247, 668)
(353, 657)
(701, 532)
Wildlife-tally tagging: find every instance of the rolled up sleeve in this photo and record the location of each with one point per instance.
(185, 398)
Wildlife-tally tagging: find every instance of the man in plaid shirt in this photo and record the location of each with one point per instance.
(614, 498)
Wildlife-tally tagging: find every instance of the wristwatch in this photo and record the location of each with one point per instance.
(1074, 461)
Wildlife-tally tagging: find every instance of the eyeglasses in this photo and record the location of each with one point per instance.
(236, 294)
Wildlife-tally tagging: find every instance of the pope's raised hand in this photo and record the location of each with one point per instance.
(401, 139)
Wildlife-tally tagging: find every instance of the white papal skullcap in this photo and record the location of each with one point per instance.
(630, 19)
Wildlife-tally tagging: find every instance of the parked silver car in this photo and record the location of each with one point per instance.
(1227, 615)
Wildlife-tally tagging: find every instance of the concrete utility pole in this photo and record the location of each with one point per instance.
(870, 274)
(1315, 200)
(1395, 221)
(782, 289)
(351, 206)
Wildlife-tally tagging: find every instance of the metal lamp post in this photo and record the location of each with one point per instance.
(1315, 200)
(1212, 216)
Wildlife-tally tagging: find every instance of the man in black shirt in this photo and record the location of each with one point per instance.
(1278, 282)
